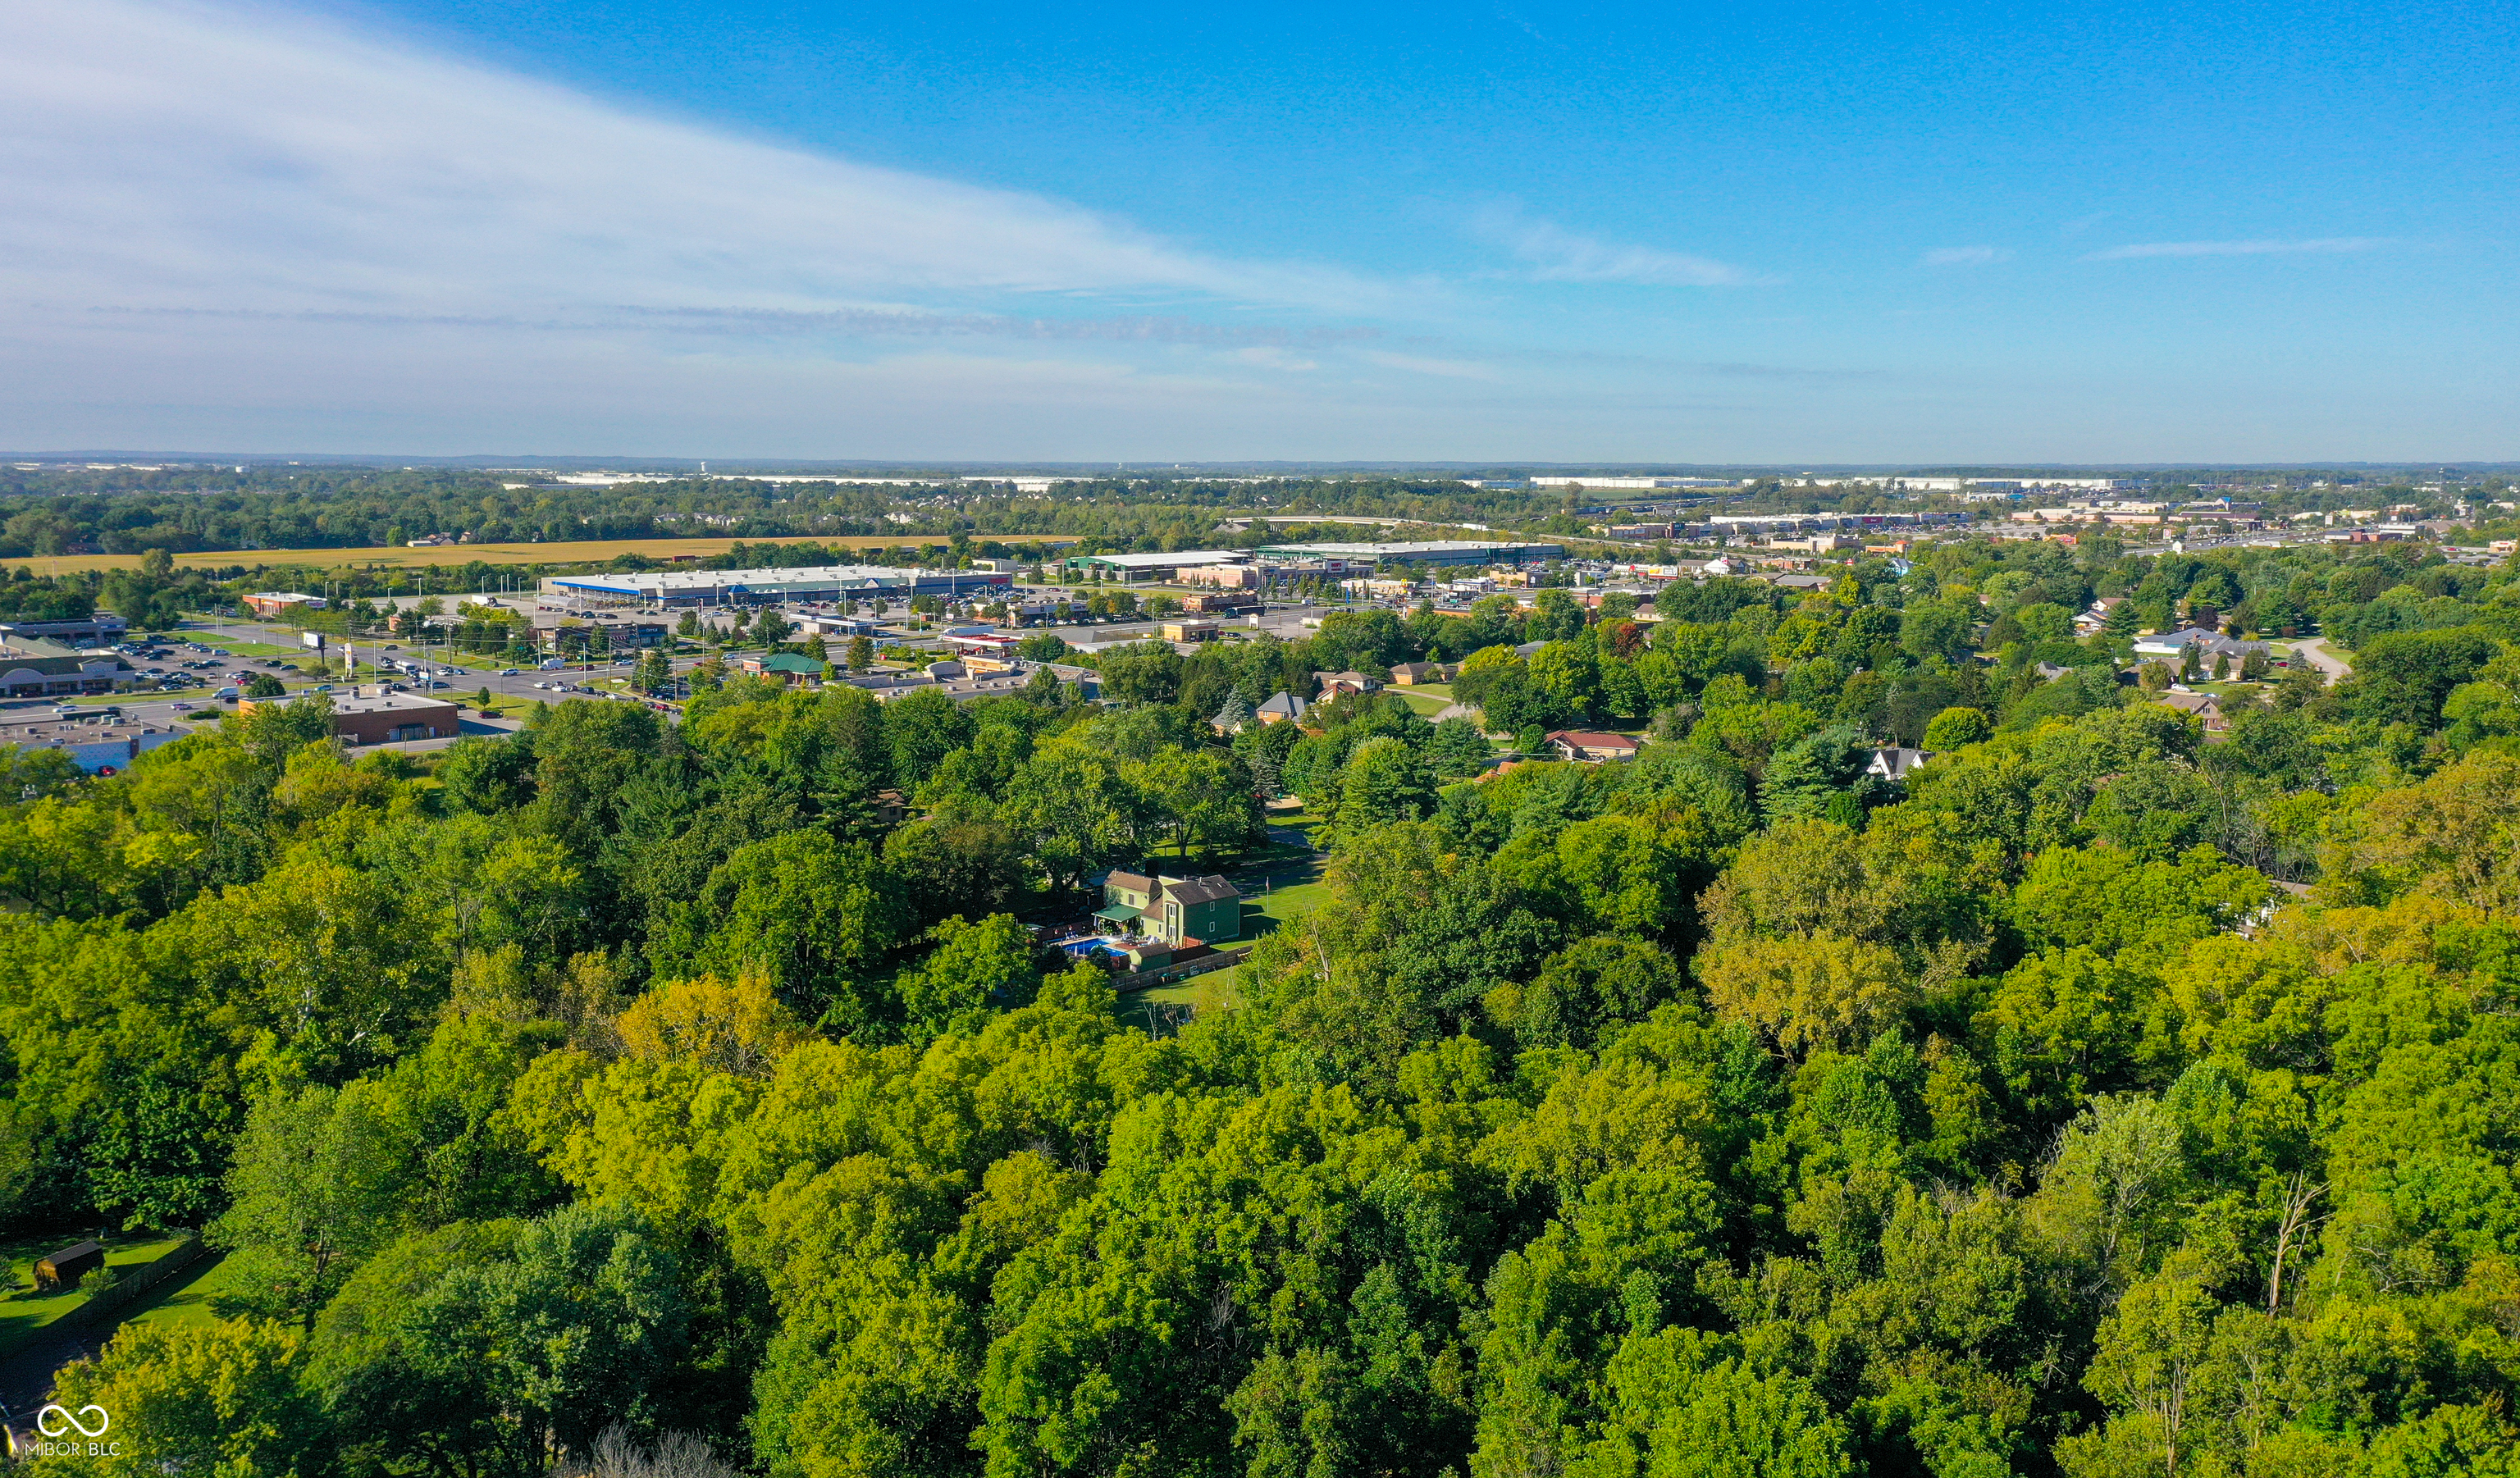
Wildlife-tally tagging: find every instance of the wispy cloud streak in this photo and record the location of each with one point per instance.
(843, 323)
(260, 158)
(1551, 253)
(2324, 243)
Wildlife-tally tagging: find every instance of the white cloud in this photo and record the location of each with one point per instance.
(1416, 364)
(1552, 254)
(2325, 244)
(182, 155)
(1270, 357)
(1964, 257)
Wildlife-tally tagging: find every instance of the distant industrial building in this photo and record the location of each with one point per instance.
(49, 677)
(1599, 481)
(664, 589)
(1158, 565)
(103, 744)
(54, 638)
(1436, 552)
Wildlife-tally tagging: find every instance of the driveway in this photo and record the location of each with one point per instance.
(2333, 668)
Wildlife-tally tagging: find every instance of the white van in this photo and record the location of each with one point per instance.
(228, 694)
(554, 664)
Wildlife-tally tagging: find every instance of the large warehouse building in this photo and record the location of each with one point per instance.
(1159, 566)
(1438, 552)
(662, 589)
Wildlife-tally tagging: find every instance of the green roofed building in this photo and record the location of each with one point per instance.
(786, 666)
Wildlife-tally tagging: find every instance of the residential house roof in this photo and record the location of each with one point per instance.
(1897, 763)
(2210, 642)
(1134, 882)
(1190, 890)
(1286, 705)
(1233, 717)
(2204, 706)
(1585, 740)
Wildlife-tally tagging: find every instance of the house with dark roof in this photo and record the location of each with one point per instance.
(1235, 717)
(1174, 909)
(1897, 764)
(1283, 709)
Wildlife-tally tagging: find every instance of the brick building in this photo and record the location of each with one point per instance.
(383, 718)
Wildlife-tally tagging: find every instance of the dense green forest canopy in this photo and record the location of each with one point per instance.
(2101, 1100)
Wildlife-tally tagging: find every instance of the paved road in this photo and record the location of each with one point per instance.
(2330, 666)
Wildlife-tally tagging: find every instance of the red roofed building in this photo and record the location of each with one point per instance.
(1583, 744)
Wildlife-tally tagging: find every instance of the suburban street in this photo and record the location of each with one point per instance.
(2330, 666)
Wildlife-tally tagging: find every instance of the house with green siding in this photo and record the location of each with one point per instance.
(1174, 909)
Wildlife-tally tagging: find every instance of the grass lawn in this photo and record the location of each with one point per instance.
(1427, 704)
(189, 1301)
(1264, 911)
(505, 704)
(1203, 994)
(23, 1312)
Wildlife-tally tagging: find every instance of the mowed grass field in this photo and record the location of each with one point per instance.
(24, 1313)
(390, 557)
(187, 1302)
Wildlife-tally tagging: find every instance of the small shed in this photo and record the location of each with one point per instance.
(56, 1271)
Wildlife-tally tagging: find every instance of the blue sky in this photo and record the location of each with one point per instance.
(1769, 234)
